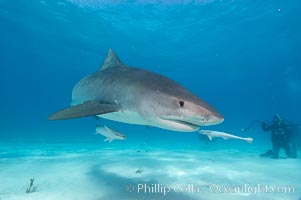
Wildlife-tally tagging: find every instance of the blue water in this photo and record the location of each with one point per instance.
(243, 57)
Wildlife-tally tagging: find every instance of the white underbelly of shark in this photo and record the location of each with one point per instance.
(126, 116)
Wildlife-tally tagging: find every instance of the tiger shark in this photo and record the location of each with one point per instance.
(137, 96)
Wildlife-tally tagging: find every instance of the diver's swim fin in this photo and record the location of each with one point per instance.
(267, 154)
(89, 108)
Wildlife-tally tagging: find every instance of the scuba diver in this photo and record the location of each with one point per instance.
(282, 137)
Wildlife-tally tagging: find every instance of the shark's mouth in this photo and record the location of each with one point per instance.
(184, 122)
(178, 125)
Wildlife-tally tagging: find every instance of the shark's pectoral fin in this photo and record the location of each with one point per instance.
(89, 108)
(210, 137)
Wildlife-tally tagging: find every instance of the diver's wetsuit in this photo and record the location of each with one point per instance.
(282, 137)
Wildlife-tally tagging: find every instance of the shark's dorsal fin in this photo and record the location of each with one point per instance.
(111, 60)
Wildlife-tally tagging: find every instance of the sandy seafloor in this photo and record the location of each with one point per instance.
(91, 171)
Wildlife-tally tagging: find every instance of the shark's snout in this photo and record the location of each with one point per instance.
(214, 119)
(203, 114)
(206, 120)
(190, 116)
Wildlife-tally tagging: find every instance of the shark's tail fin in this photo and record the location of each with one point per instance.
(249, 140)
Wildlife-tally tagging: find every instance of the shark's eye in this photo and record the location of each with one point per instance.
(181, 103)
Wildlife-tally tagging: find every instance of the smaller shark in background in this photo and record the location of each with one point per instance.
(109, 133)
(225, 136)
